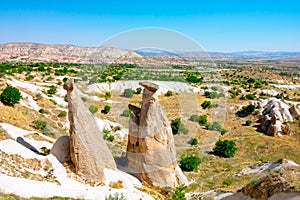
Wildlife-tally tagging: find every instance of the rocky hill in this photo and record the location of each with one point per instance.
(35, 52)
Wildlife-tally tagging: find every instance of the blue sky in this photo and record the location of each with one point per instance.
(216, 25)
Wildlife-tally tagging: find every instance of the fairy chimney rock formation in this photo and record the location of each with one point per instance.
(151, 151)
(88, 150)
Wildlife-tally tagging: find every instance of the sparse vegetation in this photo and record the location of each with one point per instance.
(62, 114)
(248, 122)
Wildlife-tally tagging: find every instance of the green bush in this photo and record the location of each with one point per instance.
(214, 88)
(42, 111)
(138, 90)
(194, 118)
(62, 114)
(203, 119)
(178, 127)
(169, 93)
(106, 109)
(126, 113)
(107, 95)
(225, 148)
(178, 193)
(39, 124)
(194, 141)
(248, 122)
(84, 99)
(93, 109)
(116, 197)
(128, 93)
(52, 90)
(215, 126)
(206, 104)
(212, 95)
(107, 135)
(10, 96)
(250, 96)
(246, 110)
(223, 131)
(189, 163)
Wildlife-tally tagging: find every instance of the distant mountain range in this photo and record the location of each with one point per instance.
(35, 52)
(233, 55)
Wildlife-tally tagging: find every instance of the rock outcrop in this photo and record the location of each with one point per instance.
(88, 150)
(61, 149)
(276, 114)
(151, 151)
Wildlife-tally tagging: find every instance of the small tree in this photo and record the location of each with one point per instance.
(52, 90)
(10, 96)
(189, 163)
(225, 148)
(128, 93)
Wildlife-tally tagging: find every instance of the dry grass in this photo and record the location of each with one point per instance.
(118, 184)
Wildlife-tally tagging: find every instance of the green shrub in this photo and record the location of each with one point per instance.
(215, 126)
(194, 118)
(93, 109)
(52, 90)
(206, 104)
(84, 99)
(223, 131)
(138, 90)
(178, 193)
(107, 135)
(126, 113)
(243, 97)
(128, 93)
(169, 93)
(42, 111)
(248, 122)
(227, 181)
(178, 127)
(225, 148)
(203, 119)
(214, 88)
(84, 78)
(189, 163)
(107, 95)
(39, 124)
(212, 95)
(10, 96)
(250, 96)
(194, 141)
(62, 114)
(246, 110)
(106, 109)
(116, 196)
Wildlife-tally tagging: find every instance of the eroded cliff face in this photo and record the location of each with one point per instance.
(88, 150)
(151, 151)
